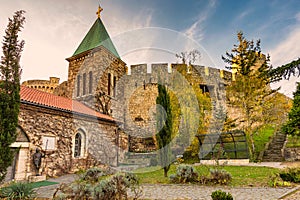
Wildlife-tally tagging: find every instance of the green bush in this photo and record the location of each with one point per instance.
(220, 195)
(184, 174)
(18, 191)
(93, 174)
(91, 186)
(276, 181)
(116, 187)
(220, 176)
(291, 175)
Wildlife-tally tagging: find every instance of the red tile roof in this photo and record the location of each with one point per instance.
(50, 100)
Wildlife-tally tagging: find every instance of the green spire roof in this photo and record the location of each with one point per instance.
(97, 36)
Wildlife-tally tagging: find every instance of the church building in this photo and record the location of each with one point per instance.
(64, 122)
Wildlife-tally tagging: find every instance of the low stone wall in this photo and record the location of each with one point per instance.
(225, 162)
(291, 154)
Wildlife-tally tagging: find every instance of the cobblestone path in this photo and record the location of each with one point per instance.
(203, 192)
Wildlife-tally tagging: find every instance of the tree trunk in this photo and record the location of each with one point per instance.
(165, 172)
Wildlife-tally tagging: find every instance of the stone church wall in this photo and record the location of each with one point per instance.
(38, 122)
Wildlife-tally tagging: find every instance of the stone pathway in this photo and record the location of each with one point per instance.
(293, 195)
(203, 192)
(48, 191)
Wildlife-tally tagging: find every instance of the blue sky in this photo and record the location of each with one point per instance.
(55, 28)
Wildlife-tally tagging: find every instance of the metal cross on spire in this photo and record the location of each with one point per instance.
(99, 11)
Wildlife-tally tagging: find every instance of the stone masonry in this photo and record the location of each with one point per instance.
(38, 122)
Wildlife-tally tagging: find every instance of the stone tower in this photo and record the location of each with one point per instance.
(95, 68)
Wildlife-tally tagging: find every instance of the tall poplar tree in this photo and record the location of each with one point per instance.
(165, 124)
(10, 89)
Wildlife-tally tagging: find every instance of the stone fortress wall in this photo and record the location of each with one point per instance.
(137, 92)
(43, 85)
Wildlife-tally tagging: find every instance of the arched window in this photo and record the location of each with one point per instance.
(78, 85)
(78, 146)
(108, 83)
(90, 82)
(84, 84)
(115, 85)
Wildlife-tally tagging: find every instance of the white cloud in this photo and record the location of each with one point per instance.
(286, 51)
(54, 29)
(195, 31)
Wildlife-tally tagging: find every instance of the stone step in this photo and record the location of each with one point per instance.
(274, 151)
(127, 167)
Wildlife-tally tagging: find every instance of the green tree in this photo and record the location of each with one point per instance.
(250, 89)
(285, 71)
(10, 89)
(165, 124)
(292, 126)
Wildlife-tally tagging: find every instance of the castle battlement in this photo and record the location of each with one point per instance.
(155, 69)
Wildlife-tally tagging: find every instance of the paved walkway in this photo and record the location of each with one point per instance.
(48, 191)
(204, 192)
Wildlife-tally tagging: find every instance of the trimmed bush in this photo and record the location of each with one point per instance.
(91, 186)
(221, 195)
(291, 175)
(116, 187)
(184, 174)
(220, 176)
(93, 174)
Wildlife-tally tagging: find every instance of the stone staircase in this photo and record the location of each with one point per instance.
(273, 152)
(136, 160)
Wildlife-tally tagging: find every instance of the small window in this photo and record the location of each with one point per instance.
(84, 84)
(204, 88)
(78, 85)
(108, 83)
(115, 84)
(90, 82)
(77, 148)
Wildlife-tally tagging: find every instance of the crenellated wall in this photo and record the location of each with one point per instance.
(43, 85)
(135, 102)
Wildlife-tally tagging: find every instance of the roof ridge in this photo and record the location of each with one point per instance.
(95, 37)
(42, 98)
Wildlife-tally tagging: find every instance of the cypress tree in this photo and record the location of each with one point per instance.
(165, 123)
(10, 89)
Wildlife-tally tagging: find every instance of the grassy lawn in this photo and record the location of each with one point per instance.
(41, 184)
(261, 138)
(242, 176)
(293, 141)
